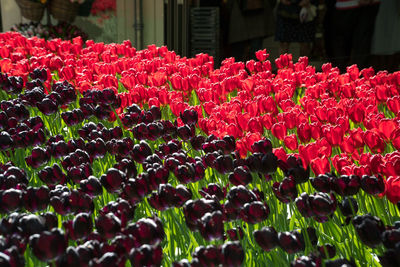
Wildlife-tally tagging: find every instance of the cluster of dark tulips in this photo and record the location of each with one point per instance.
(92, 175)
(38, 198)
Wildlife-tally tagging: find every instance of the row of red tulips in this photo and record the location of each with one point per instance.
(347, 122)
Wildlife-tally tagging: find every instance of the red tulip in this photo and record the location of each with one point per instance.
(374, 141)
(262, 55)
(304, 132)
(279, 130)
(393, 104)
(393, 189)
(334, 134)
(387, 127)
(291, 141)
(320, 165)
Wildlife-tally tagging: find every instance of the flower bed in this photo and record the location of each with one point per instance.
(113, 157)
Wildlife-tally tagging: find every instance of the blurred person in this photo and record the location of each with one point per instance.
(250, 21)
(296, 23)
(353, 27)
(328, 27)
(385, 48)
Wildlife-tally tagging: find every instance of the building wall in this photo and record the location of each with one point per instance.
(153, 20)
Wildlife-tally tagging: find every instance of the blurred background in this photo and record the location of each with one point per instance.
(224, 28)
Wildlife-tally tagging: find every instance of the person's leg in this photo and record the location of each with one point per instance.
(328, 28)
(255, 45)
(305, 49)
(364, 29)
(342, 37)
(283, 48)
(238, 50)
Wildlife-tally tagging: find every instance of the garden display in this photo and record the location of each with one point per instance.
(113, 156)
(62, 30)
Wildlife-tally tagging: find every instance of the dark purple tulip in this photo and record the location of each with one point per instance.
(196, 209)
(232, 254)
(241, 176)
(108, 259)
(6, 141)
(322, 183)
(55, 97)
(47, 106)
(38, 157)
(48, 245)
(304, 206)
(10, 199)
(107, 97)
(52, 175)
(185, 173)
(346, 185)
(134, 190)
(108, 225)
(146, 255)
(211, 225)
(102, 112)
(235, 234)
(80, 202)
(31, 224)
(231, 212)
(189, 116)
(73, 117)
(224, 164)
(207, 256)
(146, 231)
(40, 74)
(369, 229)
(323, 204)
(197, 142)
(254, 212)
(91, 186)
(263, 146)
(35, 199)
(140, 131)
(348, 207)
(182, 194)
(286, 190)
(291, 242)
(18, 173)
(299, 174)
(122, 209)
(213, 190)
(156, 112)
(266, 238)
(141, 151)
(373, 185)
(70, 258)
(147, 117)
(269, 163)
(82, 225)
(128, 167)
(254, 162)
(186, 132)
(209, 147)
(390, 238)
(240, 195)
(12, 257)
(112, 180)
(51, 220)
